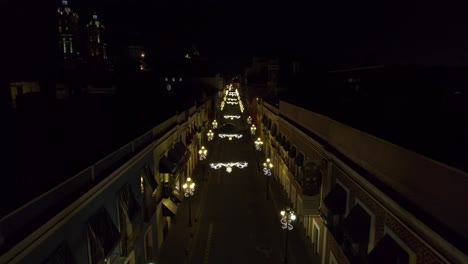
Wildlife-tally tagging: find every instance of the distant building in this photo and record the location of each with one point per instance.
(97, 48)
(192, 53)
(262, 76)
(67, 31)
(18, 89)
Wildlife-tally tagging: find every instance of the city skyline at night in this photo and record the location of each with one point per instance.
(178, 132)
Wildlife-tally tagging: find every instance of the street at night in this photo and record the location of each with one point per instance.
(233, 222)
(218, 132)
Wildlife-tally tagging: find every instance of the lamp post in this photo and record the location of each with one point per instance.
(215, 124)
(189, 189)
(253, 129)
(267, 167)
(210, 135)
(203, 152)
(287, 217)
(258, 144)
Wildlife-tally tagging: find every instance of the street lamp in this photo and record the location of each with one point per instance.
(215, 124)
(203, 152)
(253, 129)
(287, 217)
(249, 120)
(189, 189)
(267, 166)
(210, 135)
(258, 144)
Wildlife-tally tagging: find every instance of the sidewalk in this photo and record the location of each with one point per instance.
(298, 253)
(180, 235)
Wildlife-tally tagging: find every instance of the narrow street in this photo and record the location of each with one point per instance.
(233, 222)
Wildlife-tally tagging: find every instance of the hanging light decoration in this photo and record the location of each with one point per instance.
(229, 165)
(232, 117)
(230, 136)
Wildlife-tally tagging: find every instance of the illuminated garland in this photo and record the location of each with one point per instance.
(232, 99)
(232, 103)
(229, 165)
(232, 117)
(241, 106)
(230, 136)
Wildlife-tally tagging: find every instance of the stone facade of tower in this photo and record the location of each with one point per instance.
(97, 48)
(67, 32)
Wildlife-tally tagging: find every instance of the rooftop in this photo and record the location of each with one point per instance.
(421, 109)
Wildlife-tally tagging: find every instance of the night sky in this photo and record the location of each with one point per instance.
(324, 32)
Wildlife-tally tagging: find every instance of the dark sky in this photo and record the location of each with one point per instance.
(325, 32)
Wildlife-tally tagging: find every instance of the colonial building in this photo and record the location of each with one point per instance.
(118, 210)
(67, 31)
(97, 48)
(361, 199)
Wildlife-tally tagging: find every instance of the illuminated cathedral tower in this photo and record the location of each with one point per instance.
(67, 31)
(97, 48)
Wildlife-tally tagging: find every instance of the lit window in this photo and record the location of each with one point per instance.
(180, 79)
(64, 45)
(173, 79)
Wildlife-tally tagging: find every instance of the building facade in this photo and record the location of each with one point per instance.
(361, 199)
(68, 28)
(97, 48)
(119, 210)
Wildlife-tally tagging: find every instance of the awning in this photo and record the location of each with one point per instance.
(170, 208)
(189, 137)
(387, 251)
(103, 233)
(180, 147)
(165, 165)
(178, 197)
(274, 130)
(287, 145)
(283, 141)
(61, 255)
(175, 154)
(357, 225)
(278, 138)
(335, 200)
(150, 177)
(299, 160)
(127, 201)
(292, 152)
